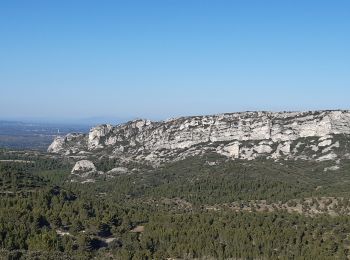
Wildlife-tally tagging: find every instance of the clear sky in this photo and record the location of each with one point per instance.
(157, 59)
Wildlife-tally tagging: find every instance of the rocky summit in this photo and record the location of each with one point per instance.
(312, 135)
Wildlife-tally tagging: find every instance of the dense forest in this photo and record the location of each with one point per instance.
(200, 208)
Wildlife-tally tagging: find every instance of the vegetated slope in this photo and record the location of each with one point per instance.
(243, 185)
(203, 206)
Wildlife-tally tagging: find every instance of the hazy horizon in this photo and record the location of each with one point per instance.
(118, 120)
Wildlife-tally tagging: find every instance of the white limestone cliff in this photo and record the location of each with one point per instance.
(245, 135)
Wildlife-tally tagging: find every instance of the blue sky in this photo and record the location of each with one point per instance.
(157, 59)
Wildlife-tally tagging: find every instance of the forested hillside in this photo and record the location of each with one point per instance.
(201, 207)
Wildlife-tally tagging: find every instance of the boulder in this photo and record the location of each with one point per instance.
(83, 168)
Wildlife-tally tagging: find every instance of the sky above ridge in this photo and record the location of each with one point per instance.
(157, 59)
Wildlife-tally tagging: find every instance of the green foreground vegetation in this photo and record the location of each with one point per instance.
(178, 211)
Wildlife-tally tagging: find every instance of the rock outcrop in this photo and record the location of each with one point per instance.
(85, 171)
(318, 135)
(83, 166)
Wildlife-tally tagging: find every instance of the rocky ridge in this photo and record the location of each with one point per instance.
(313, 135)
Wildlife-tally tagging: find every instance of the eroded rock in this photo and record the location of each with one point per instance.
(246, 135)
(84, 168)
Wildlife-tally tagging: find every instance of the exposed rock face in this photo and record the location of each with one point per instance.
(57, 145)
(118, 170)
(248, 135)
(84, 168)
(69, 144)
(97, 137)
(230, 150)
